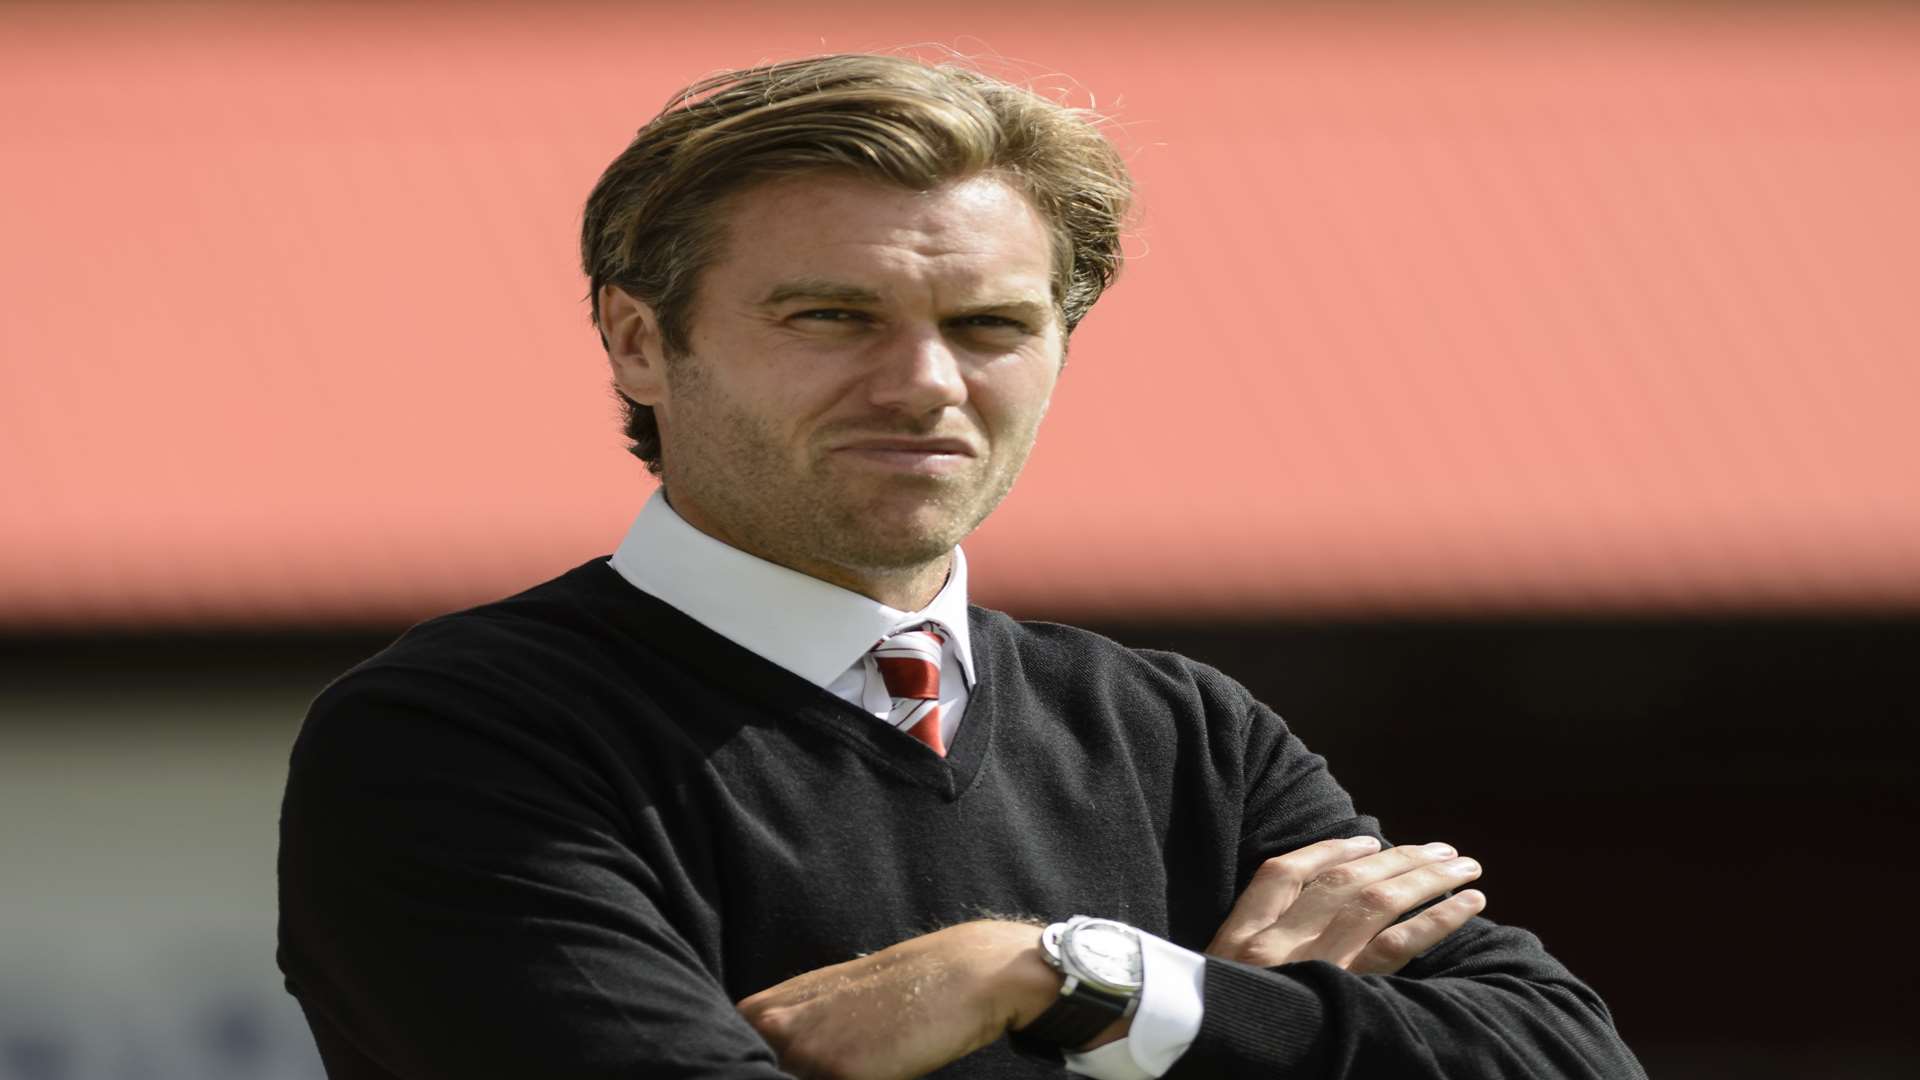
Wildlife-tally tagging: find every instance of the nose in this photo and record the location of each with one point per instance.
(918, 374)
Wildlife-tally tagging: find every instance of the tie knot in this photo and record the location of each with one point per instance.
(909, 662)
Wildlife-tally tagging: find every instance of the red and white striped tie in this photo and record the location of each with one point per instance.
(909, 663)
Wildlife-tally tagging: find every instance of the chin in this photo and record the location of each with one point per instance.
(903, 548)
(901, 534)
(911, 556)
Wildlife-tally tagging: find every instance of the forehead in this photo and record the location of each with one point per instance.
(976, 234)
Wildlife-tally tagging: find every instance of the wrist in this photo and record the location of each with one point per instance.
(1099, 965)
(1019, 981)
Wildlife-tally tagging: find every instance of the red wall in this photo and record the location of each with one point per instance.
(1428, 312)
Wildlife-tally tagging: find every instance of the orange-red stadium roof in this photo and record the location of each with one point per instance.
(1427, 312)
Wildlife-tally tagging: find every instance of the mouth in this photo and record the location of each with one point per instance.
(906, 454)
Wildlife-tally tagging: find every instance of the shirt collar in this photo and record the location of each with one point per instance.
(811, 628)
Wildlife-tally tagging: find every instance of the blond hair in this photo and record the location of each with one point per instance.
(650, 226)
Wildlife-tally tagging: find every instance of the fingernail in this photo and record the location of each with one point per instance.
(1463, 866)
(1440, 851)
(1363, 841)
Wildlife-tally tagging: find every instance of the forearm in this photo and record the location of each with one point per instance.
(945, 995)
(1485, 1001)
(1489, 1003)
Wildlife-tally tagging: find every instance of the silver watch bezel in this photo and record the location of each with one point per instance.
(1057, 942)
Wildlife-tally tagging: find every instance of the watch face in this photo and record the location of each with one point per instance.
(1107, 953)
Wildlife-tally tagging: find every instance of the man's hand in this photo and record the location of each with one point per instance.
(909, 1009)
(1337, 901)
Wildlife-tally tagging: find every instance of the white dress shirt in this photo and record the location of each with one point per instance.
(823, 633)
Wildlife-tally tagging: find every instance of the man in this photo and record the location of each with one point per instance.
(761, 795)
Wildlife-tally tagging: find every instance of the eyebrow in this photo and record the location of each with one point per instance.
(838, 292)
(819, 289)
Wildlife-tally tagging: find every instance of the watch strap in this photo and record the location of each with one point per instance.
(1071, 1021)
(1082, 1010)
(1067, 1023)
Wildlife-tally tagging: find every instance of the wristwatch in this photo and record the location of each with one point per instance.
(1101, 975)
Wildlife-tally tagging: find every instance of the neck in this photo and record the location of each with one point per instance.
(908, 588)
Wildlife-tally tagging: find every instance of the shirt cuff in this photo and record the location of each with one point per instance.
(1165, 1024)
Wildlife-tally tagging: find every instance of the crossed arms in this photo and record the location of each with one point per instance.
(459, 899)
(955, 990)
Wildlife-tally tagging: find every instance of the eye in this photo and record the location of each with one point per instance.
(831, 315)
(993, 322)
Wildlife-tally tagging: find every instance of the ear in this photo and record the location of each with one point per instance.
(634, 347)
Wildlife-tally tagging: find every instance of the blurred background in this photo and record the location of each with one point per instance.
(1520, 398)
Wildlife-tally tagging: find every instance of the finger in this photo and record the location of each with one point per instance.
(1375, 906)
(1339, 885)
(1278, 881)
(1387, 900)
(1350, 912)
(1393, 948)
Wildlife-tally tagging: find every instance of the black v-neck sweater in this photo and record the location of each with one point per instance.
(559, 835)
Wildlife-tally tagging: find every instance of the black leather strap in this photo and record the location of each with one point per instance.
(1068, 1023)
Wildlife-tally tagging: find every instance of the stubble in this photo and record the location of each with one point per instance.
(821, 513)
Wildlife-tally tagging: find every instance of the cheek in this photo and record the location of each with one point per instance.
(1019, 400)
(760, 397)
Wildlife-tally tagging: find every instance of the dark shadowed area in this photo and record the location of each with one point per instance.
(1701, 816)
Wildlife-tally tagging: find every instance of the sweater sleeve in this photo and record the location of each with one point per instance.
(456, 902)
(1486, 1002)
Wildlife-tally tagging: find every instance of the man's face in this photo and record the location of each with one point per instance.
(867, 371)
